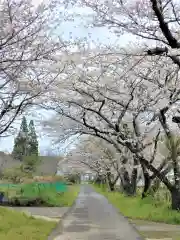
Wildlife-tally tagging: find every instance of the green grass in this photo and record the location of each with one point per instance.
(70, 196)
(135, 208)
(65, 199)
(17, 226)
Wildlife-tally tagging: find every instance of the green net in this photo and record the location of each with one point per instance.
(37, 186)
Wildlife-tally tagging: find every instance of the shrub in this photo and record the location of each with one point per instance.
(14, 175)
(30, 163)
(73, 178)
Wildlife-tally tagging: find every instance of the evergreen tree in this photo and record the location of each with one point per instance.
(33, 142)
(26, 146)
(21, 142)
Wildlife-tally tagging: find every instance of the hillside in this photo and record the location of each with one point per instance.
(48, 165)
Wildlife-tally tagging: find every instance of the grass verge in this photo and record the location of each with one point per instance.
(67, 199)
(18, 226)
(136, 208)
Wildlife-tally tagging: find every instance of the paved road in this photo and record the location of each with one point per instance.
(93, 218)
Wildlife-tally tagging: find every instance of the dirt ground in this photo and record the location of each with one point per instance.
(50, 212)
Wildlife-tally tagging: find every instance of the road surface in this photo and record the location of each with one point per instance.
(93, 218)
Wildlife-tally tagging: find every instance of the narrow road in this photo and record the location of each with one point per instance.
(93, 218)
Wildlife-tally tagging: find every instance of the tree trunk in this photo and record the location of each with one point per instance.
(175, 199)
(111, 183)
(126, 182)
(147, 183)
(155, 186)
(98, 180)
(111, 186)
(134, 177)
(148, 180)
(129, 181)
(129, 188)
(156, 172)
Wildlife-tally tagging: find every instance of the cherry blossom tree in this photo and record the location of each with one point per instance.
(99, 157)
(96, 103)
(28, 51)
(126, 104)
(154, 27)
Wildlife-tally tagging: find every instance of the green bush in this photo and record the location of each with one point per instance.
(73, 178)
(14, 175)
(30, 163)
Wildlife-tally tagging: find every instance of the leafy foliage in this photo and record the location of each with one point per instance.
(14, 175)
(30, 163)
(73, 178)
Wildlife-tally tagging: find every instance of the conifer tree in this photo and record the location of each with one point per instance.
(26, 146)
(21, 142)
(33, 142)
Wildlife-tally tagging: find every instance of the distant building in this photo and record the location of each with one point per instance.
(87, 176)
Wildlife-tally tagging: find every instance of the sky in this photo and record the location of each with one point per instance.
(6, 144)
(67, 30)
